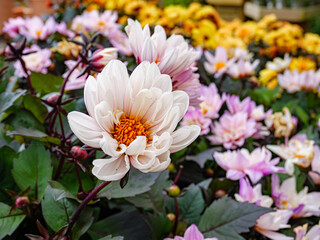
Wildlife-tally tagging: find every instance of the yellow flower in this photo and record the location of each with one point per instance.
(67, 49)
(208, 12)
(266, 76)
(133, 7)
(246, 31)
(93, 6)
(302, 64)
(204, 34)
(193, 8)
(149, 14)
(188, 26)
(173, 15)
(311, 43)
(267, 20)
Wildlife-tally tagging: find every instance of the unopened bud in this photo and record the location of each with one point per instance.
(171, 217)
(22, 202)
(82, 195)
(220, 193)
(174, 191)
(209, 172)
(53, 99)
(78, 153)
(171, 168)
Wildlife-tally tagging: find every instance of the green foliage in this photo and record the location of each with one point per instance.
(9, 221)
(226, 218)
(7, 99)
(58, 212)
(46, 83)
(264, 95)
(33, 169)
(34, 105)
(138, 183)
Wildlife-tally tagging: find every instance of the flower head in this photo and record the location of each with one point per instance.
(192, 233)
(232, 130)
(37, 62)
(242, 69)
(279, 64)
(285, 196)
(172, 55)
(312, 234)
(132, 119)
(13, 26)
(219, 63)
(195, 117)
(36, 29)
(211, 101)
(242, 163)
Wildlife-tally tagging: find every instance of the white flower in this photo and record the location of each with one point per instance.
(132, 119)
(279, 64)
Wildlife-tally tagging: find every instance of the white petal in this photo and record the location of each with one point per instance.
(143, 161)
(90, 95)
(110, 146)
(111, 169)
(104, 116)
(183, 137)
(161, 144)
(161, 162)
(137, 146)
(149, 52)
(85, 128)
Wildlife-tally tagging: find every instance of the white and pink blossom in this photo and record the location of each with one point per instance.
(232, 130)
(195, 117)
(173, 56)
(13, 26)
(242, 163)
(211, 101)
(132, 119)
(242, 69)
(192, 233)
(285, 196)
(302, 232)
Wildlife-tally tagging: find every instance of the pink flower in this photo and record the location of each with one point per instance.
(243, 54)
(219, 63)
(13, 26)
(75, 82)
(241, 163)
(132, 119)
(172, 55)
(298, 151)
(101, 57)
(235, 105)
(192, 233)
(315, 166)
(232, 130)
(285, 196)
(95, 22)
(211, 101)
(36, 29)
(271, 222)
(36, 62)
(62, 29)
(250, 194)
(195, 117)
(313, 233)
(120, 41)
(243, 69)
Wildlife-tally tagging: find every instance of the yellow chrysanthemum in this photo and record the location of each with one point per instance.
(203, 35)
(134, 7)
(208, 12)
(246, 31)
(149, 14)
(311, 43)
(173, 15)
(68, 49)
(302, 64)
(267, 76)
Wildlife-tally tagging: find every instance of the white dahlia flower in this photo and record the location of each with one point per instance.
(132, 119)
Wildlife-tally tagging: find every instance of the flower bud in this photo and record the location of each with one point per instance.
(171, 217)
(209, 172)
(171, 168)
(101, 57)
(53, 99)
(78, 153)
(220, 193)
(22, 202)
(174, 191)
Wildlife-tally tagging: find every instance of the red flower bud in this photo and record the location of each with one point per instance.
(53, 99)
(174, 191)
(22, 202)
(78, 153)
(171, 217)
(220, 193)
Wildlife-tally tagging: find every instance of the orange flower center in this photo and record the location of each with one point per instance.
(38, 33)
(157, 60)
(220, 65)
(129, 128)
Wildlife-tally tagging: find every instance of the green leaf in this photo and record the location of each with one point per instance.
(34, 105)
(264, 95)
(6, 180)
(303, 116)
(33, 168)
(9, 222)
(202, 157)
(58, 213)
(139, 182)
(109, 237)
(35, 134)
(71, 184)
(159, 224)
(60, 192)
(7, 99)
(130, 225)
(226, 218)
(22, 118)
(46, 83)
(154, 198)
